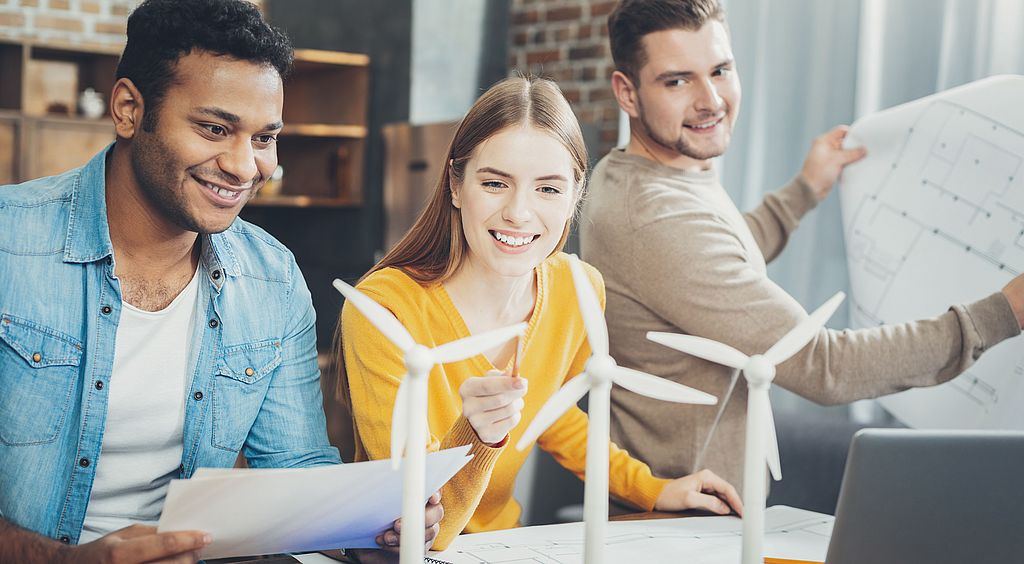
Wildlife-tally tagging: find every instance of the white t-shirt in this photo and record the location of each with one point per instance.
(142, 441)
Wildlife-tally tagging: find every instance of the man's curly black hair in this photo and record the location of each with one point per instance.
(162, 31)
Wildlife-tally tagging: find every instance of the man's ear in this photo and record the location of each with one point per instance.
(625, 94)
(126, 108)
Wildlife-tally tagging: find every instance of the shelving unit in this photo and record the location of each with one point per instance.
(321, 149)
(323, 143)
(40, 131)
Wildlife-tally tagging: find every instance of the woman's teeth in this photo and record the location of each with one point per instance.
(512, 241)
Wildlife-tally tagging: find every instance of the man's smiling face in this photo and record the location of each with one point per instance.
(214, 143)
(689, 92)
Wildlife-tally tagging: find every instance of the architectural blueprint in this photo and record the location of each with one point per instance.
(789, 533)
(934, 216)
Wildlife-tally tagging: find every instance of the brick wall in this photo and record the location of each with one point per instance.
(567, 41)
(80, 22)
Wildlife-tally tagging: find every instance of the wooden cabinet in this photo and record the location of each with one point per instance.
(321, 149)
(41, 131)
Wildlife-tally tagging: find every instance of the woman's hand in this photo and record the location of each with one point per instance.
(701, 490)
(493, 404)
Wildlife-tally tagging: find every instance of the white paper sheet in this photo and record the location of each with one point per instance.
(790, 533)
(934, 216)
(252, 512)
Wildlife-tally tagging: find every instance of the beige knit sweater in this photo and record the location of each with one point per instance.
(678, 256)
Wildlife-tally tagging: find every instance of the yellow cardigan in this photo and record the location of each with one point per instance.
(479, 497)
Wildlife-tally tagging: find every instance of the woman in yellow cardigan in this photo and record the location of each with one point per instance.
(486, 253)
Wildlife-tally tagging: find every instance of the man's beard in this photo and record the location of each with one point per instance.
(679, 145)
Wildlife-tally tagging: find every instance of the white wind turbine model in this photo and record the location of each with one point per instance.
(759, 371)
(409, 419)
(597, 378)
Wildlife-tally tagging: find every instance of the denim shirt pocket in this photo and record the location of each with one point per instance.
(239, 388)
(38, 372)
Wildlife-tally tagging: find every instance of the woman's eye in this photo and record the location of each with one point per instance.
(493, 184)
(550, 190)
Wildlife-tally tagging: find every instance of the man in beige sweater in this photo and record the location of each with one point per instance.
(678, 256)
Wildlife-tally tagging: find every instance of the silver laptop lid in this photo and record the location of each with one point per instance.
(933, 497)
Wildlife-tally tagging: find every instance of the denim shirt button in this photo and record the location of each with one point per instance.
(99, 384)
(84, 462)
(37, 357)
(198, 396)
(65, 539)
(181, 468)
(249, 371)
(215, 275)
(214, 323)
(105, 310)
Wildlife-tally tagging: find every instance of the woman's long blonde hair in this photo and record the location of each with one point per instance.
(435, 247)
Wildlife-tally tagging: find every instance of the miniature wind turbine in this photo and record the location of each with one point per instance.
(409, 419)
(597, 379)
(759, 371)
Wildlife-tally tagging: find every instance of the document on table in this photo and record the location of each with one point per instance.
(791, 534)
(267, 511)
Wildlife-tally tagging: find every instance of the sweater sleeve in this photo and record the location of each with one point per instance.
(373, 367)
(566, 440)
(779, 215)
(703, 283)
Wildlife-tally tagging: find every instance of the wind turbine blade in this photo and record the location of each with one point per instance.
(802, 334)
(555, 407)
(400, 422)
(473, 345)
(659, 388)
(379, 316)
(701, 347)
(772, 448)
(590, 308)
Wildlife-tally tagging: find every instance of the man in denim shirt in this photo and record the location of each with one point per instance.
(142, 247)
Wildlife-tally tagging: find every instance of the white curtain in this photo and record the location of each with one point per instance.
(807, 65)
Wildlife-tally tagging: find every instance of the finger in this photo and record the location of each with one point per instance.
(133, 531)
(506, 411)
(162, 545)
(388, 538)
(491, 385)
(837, 134)
(435, 498)
(433, 515)
(712, 483)
(710, 503)
(431, 533)
(483, 404)
(853, 155)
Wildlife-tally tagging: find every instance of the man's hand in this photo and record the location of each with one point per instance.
(826, 160)
(1014, 292)
(139, 543)
(493, 404)
(389, 539)
(702, 490)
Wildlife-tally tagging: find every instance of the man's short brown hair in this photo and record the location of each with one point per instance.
(633, 19)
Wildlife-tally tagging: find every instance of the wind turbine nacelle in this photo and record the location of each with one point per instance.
(759, 371)
(601, 368)
(419, 360)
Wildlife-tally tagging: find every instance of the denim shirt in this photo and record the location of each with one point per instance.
(254, 386)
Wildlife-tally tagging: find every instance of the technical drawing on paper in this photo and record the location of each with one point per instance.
(790, 533)
(934, 216)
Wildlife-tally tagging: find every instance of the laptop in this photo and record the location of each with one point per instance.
(931, 497)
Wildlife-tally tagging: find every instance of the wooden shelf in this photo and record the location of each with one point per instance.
(324, 130)
(331, 57)
(302, 202)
